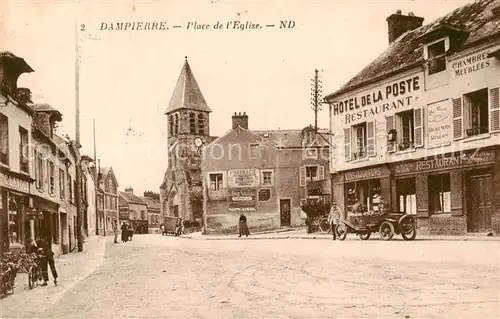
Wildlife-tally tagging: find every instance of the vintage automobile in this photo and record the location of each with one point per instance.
(385, 223)
(170, 223)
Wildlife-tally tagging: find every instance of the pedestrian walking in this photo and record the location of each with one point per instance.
(46, 256)
(333, 218)
(178, 227)
(115, 231)
(243, 227)
(130, 231)
(124, 232)
(162, 228)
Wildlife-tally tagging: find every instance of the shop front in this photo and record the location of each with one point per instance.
(14, 206)
(368, 187)
(45, 221)
(452, 193)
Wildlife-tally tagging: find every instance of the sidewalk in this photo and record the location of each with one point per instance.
(300, 233)
(71, 269)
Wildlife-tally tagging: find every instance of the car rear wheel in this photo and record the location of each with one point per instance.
(408, 228)
(386, 230)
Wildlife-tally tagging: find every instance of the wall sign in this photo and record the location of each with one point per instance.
(14, 183)
(248, 177)
(439, 123)
(446, 162)
(242, 199)
(471, 63)
(363, 174)
(391, 96)
(264, 194)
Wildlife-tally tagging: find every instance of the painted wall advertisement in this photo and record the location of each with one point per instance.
(439, 123)
(248, 177)
(242, 199)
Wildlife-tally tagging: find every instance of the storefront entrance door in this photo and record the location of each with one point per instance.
(479, 190)
(285, 212)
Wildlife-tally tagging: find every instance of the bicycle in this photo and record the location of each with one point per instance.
(321, 223)
(30, 264)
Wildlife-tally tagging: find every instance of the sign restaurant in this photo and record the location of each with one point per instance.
(242, 199)
(381, 100)
(439, 123)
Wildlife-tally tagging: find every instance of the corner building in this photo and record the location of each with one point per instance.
(420, 125)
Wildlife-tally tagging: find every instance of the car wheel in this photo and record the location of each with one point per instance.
(408, 228)
(386, 230)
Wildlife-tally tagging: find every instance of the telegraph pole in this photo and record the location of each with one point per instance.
(78, 200)
(316, 101)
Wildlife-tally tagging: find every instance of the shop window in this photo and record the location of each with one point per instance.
(216, 183)
(192, 123)
(405, 129)
(61, 184)
(14, 222)
(359, 150)
(201, 124)
(367, 194)
(407, 198)
(439, 193)
(437, 57)
(476, 109)
(4, 140)
(23, 150)
(267, 178)
(254, 150)
(52, 178)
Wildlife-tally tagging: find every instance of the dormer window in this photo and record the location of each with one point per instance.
(436, 53)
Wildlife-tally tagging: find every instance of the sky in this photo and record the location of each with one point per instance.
(126, 78)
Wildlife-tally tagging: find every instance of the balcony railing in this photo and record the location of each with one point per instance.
(476, 130)
(405, 144)
(359, 154)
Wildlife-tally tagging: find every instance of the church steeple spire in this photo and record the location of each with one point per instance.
(187, 94)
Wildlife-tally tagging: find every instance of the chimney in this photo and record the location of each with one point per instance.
(240, 120)
(129, 190)
(399, 24)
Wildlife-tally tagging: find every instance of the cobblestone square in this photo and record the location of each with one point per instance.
(169, 277)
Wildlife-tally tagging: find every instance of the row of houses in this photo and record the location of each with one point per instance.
(418, 127)
(38, 175)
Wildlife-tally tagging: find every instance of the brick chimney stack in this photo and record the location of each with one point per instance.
(129, 190)
(399, 24)
(240, 120)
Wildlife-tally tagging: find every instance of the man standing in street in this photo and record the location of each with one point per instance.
(333, 218)
(243, 227)
(115, 230)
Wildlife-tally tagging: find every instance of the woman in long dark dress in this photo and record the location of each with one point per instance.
(124, 232)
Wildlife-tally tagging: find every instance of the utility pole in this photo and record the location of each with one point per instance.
(316, 100)
(95, 186)
(78, 166)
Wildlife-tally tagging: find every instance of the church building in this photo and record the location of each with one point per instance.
(188, 129)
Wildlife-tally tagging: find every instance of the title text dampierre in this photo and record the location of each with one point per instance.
(379, 98)
(134, 26)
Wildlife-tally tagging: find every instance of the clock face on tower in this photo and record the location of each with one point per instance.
(198, 141)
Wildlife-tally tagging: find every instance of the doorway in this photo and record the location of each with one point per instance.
(285, 212)
(479, 194)
(176, 210)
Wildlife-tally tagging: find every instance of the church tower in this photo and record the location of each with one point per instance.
(188, 118)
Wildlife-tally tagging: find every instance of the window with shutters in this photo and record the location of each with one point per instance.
(216, 183)
(405, 130)
(62, 184)
(476, 110)
(39, 170)
(436, 53)
(439, 193)
(359, 136)
(4, 140)
(52, 178)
